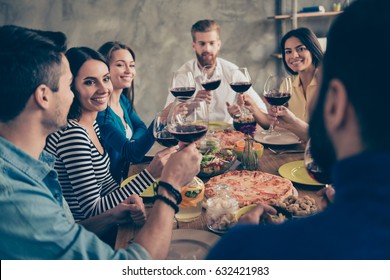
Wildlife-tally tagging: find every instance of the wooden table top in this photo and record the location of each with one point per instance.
(269, 163)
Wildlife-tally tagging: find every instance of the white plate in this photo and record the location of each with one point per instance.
(285, 138)
(154, 149)
(191, 244)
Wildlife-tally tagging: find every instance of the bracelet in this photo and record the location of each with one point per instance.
(168, 201)
(172, 190)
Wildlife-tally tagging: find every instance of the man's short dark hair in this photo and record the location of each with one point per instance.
(204, 25)
(28, 58)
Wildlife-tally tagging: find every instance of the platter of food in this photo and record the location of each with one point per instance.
(251, 187)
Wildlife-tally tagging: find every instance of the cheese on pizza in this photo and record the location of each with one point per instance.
(251, 187)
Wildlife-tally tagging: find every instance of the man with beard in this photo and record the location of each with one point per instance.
(206, 44)
(348, 134)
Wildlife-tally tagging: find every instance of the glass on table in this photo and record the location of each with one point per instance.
(191, 206)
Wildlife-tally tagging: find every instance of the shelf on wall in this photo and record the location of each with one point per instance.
(306, 15)
(277, 55)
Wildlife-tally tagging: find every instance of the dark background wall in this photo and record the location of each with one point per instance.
(159, 33)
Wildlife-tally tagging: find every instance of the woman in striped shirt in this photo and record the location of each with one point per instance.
(82, 164)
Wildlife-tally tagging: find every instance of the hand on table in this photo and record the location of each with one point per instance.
(131, 209)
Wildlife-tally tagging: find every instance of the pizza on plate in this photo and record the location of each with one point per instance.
(228, 137)
(251, 187)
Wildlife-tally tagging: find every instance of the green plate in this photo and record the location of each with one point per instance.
(148, 192)
(216, 126)
(296, 172)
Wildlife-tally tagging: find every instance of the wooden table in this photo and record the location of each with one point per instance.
(269, 162)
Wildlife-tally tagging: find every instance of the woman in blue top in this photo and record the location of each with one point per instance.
(125, 136)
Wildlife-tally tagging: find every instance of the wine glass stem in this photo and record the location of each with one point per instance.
(271, 127)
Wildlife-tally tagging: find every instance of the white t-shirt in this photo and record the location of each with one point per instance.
(224, 93)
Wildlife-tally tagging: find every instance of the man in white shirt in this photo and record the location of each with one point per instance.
(206, 44)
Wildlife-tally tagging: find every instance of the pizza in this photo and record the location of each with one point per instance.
(251, 187)
(228, 137)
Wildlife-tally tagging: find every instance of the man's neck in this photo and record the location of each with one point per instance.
(24, 135)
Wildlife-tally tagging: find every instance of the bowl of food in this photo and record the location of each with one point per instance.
(216, 161)
(240, 145)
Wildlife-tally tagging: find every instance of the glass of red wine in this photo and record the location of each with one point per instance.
(240, 81)
(313, 169)
(188, 120)
(182, 84)
(211, 77)
(161, 133)
(277, 92)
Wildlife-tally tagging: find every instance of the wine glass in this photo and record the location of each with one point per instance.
(277, 92)
(182, 84)
(211, 77)
(161, 133)
(240, 81)
(188, 120)
(314, 170)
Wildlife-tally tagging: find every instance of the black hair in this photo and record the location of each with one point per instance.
(28, 59)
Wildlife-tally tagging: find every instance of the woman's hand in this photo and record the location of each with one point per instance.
(159, 160)
(282, 117)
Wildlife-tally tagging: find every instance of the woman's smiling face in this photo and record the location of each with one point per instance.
(297, 56)
(122, 69)
(93, 86)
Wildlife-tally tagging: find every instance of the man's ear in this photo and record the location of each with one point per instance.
(193, 45)
(336, 105)
(42, 96)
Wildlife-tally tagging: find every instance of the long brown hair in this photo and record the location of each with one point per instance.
(107, 49)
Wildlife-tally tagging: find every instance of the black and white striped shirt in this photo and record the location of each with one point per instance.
(84, 173)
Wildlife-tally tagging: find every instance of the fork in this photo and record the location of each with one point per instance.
(285, 152)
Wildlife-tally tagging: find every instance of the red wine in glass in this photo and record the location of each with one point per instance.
(183, 91)
(240, 87)
(166, 139)
(189, 133)
(277, 98)
(212, 85)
